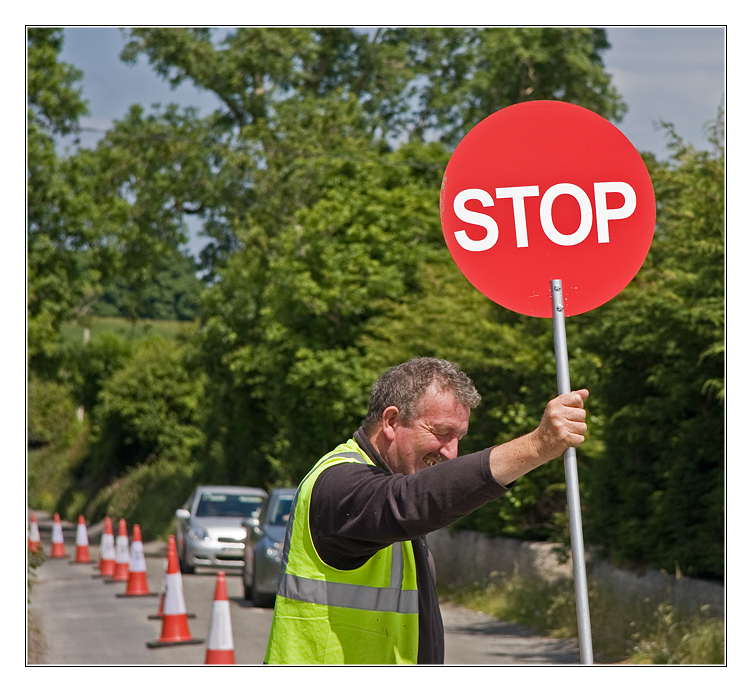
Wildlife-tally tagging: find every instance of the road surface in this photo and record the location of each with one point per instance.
(83, 621)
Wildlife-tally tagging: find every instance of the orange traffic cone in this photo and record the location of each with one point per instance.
(137, 583)
(171, 546)
(107, 555)
(34, 540)
(58, 547)
(175, 628)
(82, 541)
(220, 648)
(122, 558)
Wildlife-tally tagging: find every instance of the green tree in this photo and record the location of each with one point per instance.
(469, 73)
(336, 232)
(151, 408)
(657, 496)
(61, 274)
(172, 294)
(295, 100)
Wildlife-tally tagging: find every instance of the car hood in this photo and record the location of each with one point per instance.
(276, 533)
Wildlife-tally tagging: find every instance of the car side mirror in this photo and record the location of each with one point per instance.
(182, 514)
(251, 523)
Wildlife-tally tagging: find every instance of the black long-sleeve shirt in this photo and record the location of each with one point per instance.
(356, 510)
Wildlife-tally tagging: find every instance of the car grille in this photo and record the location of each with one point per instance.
(231, 558)
(225, 539)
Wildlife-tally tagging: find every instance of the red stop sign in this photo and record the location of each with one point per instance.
(547, 190)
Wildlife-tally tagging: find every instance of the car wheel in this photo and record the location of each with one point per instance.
(261, 600)
(247, 591)
(185, 568)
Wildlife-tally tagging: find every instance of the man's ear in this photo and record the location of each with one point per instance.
(389, 420)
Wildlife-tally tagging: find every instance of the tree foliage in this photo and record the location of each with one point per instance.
(61, 276)
(316, 182)
(657, 496)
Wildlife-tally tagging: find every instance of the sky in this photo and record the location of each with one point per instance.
(673, 74)
(676, 74)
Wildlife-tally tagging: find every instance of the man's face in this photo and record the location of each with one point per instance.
(431, 437)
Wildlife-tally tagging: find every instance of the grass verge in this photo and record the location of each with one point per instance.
(623, 630)
(35, 641)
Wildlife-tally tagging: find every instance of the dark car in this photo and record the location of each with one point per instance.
(265, 538)
(209, 532)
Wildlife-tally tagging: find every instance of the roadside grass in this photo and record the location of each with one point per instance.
(35, 641)
(623, 630)
(73, 332)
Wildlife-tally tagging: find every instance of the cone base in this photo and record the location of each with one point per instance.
(220, 657)
(175, 629)
(154, 645)
(137, 584)
(190, 616)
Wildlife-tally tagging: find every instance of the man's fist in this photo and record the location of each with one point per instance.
(563, 424)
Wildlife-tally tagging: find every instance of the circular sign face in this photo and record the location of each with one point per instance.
(547, 190)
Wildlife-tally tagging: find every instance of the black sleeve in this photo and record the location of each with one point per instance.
(356, 510)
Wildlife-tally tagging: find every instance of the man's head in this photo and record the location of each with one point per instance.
(418, 413)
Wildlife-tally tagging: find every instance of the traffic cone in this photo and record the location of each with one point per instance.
(34, 540)
(220, 648)
(107, 556)
(58, 547)
(171, 546)
(175, 628)
(137, 583)
(122, 558)
(82, 541)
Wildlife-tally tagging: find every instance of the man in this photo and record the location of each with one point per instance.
(357, 582)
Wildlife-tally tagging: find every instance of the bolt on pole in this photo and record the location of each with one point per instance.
(573, 491)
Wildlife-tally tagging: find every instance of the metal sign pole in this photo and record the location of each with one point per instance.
(573, 491)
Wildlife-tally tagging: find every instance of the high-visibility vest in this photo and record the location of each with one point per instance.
(367, 615)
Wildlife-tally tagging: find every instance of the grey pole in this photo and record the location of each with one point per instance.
(573, 490)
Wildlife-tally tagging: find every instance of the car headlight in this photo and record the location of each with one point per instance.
(198, 533)
(274, 551)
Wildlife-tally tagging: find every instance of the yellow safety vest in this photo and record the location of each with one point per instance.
(367, 615)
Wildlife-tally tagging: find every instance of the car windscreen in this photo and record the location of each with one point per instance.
(227, 505)
(279, 511)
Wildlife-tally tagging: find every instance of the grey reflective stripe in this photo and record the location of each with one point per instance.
(344, 455)
(391, 599)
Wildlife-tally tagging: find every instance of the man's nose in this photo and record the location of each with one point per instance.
(450, 448)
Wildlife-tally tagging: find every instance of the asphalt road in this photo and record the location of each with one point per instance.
(83, 620)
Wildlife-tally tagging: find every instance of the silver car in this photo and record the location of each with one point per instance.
(264, 541)
(209, 531)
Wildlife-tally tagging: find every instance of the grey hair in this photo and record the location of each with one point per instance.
(404, 385)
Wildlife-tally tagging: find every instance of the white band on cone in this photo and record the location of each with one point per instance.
(108, 547)
(174, 603)
(138, 562)
(122, 549)
(220, 628)
(81, 537)
(57, 533)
